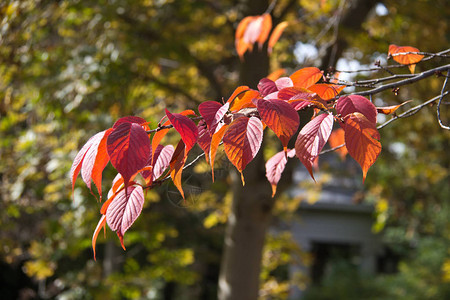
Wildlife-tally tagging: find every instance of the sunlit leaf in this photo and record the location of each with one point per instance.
(266, 87)
(306, 77)
(215, 141)
(185, 127)
(212, 112)
(276, 74)
(312, 138)
(355, 103)
(281, 118)
(95, 161)
(388, 110)
(124, 210)
(326, 91)
(244, 100)
(132, 119)
(275, 167)
(362, 140)
(242, 141)
(128, 147)
(276, 34)
(100, 225)
(176, 165)
(405, 59)
(204, 138)
(336, 139)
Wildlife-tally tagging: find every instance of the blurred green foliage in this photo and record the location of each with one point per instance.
(69, 69)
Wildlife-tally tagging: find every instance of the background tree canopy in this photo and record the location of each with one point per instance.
(69, 69)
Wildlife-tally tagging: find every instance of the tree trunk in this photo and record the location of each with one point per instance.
(252, 205)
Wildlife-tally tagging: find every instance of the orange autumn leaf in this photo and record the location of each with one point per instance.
(362, 140)
(215, 142)
(276, 34)
(388, 110)
(276, 74)
(306, 77)
(243, 100)
(405, 59)
(326, 91)
(336, 139)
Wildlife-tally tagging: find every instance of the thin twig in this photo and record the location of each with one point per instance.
(440, 101)
(408, 113)
(396, 84)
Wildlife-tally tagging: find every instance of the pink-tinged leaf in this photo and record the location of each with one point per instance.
(266, 27)
(240, 30)
(388, 110)
(176, 165)
(185, 127)
(158, 163)
(215, 142)
(355, 103)
(362, 140)
(212, 113)
(280, 117)
(95, 161)
(276, 34)
(204, 138)
(306, 77)
(161, 160)
(129, 149)
(132, 119)
(100, 225)
(266, 87)
(242, 141)
(117, 182)
(78, 161)
(253, 30)
(312, 138)
(326, 91)
(275, 167)
(283, 82)
(123, 210)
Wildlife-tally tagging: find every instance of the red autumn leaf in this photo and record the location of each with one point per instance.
(326, 91)
(242, 141)
(212, 112)
(266, 87)
(300, 98)
(204, 138)
(362, 140)
(405, 59)
(176, 165)
(336, 139)
(128, 147)
(355, 103)
(276, 34)
(161, 133)
(388, 110)
(95, 161)
(280, 117)
(124, 210)
(215, 141)
(312, 138)
(100, 225)
(132, 119)
(185, 127)
(275, 167)
(306, 77)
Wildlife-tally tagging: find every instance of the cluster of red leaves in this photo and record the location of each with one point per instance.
(254, 29)
(133, 149)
